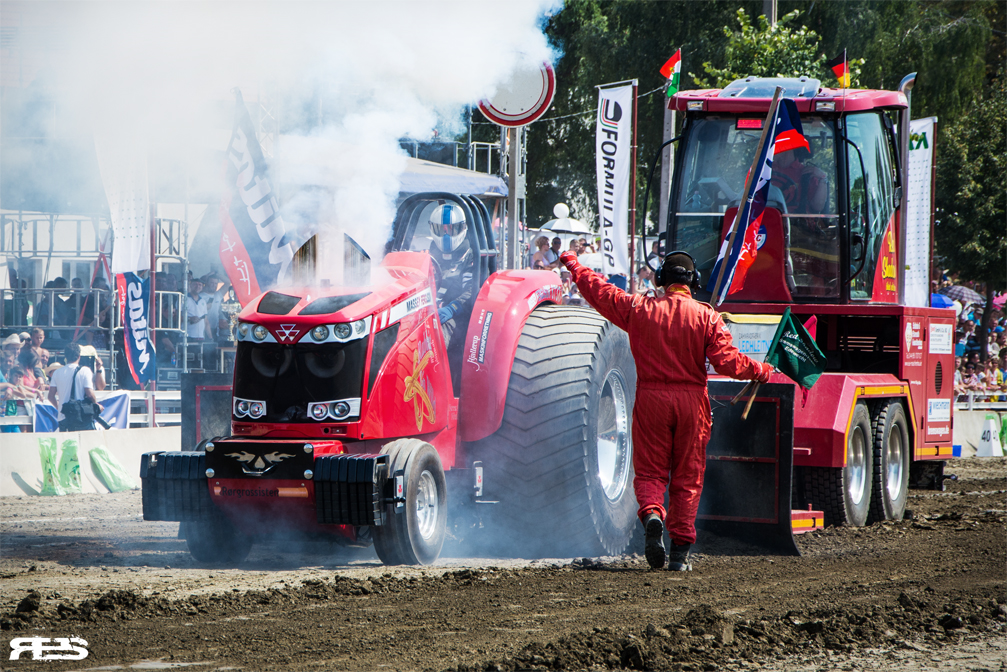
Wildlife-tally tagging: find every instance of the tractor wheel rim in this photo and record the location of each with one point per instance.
(614, 450)
(893, 456)
(427, 505)
(855, 465)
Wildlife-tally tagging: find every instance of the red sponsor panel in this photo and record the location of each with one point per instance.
(501, 310)
(937, 391)
(886, 274)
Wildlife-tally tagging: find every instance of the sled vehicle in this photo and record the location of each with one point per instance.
(357, 415)
(831, 245)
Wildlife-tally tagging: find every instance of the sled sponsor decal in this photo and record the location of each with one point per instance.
(913, 342)
(63, 648)
(940, 339)
(938, 410)
(240, 493)
(943, 429)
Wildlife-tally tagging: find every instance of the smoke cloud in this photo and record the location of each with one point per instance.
(353, 77)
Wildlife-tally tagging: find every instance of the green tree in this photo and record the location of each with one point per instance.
(770, 51)
(971, 174)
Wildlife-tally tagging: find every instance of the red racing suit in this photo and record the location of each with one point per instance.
(670, 337)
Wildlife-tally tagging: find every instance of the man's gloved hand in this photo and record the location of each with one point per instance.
(767, 371)
(447, 312)
(569, 259)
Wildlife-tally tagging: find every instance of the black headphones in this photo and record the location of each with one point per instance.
(661, 276)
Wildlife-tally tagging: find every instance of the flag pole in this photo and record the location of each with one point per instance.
(632, 200)
(770, 122)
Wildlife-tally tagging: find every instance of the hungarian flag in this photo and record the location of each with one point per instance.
(795, 353)
(672, 71)
(254, 246)
(738, 254)
(839, 66)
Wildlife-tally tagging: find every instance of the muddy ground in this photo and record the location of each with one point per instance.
(926, 593)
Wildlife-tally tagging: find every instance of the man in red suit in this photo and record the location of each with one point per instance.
(671, 337)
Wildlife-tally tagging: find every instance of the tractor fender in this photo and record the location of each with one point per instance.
(822, 424)
(500, 311)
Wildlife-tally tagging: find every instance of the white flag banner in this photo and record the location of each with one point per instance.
(123, 167)
(919, 186)
(613, 158)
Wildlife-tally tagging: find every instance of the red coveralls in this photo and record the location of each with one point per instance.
(670, 338)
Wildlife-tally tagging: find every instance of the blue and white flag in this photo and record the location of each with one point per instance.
(116, 410)
(134, 309)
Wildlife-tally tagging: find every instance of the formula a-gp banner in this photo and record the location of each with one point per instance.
(134, 304)
(253, 248)
(612, 157)
(919, 202)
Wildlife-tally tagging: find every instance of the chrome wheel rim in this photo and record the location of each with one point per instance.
(613, 446)
(893, 467)
(856, 467)
(427, 505)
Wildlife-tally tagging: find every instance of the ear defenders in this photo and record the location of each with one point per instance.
(662, 276)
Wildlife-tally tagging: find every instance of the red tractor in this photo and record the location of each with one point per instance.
(879, 420)
(358, 415)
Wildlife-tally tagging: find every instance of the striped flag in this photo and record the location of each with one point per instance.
(672, 71)
(737, 255)
(841, 68)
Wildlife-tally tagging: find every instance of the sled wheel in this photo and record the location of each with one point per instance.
(216, 540)
(414, 534)
(561, 464)
(845, 494)
(891, 462)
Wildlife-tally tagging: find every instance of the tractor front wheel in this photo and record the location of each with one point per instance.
(414, 531)
(561, 464)
(216, 541)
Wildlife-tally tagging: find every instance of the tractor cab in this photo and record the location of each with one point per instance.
(828, 232)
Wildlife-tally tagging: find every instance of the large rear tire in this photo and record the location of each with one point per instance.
(414, 534)
(561, 464)
(845, 494)
(891, 462)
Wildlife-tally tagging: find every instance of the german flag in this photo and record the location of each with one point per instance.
(839, 66)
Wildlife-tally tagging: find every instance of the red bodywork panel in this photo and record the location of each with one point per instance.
(924, 378)
(850, 100)
(499, 315)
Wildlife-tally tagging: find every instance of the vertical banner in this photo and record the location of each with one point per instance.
(122, 162)
(613, 141)
(253, 247)
(919, 192)
(134, 303)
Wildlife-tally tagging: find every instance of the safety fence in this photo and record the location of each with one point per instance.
(161, 408)
(980, 401)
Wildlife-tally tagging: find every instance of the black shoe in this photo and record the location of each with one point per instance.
(678, 559)
(654, 533)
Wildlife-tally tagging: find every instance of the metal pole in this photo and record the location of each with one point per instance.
(906, 87)
(632, 201)
(667, 169)
(513, 188)
(152, 317)
(769, 10)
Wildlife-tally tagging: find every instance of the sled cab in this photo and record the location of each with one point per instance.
(828, 235)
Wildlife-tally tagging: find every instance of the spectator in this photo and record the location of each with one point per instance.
(12, 345)
(6, 364)
(89, 358)
(35, 340)
(214, 291)
(63, 308)
(554, 252)
(539, 260)
(654, 258)
(644, 280)
(575, 246)
(34, 376)
(83, 385)
(197, 327)
(970, 380)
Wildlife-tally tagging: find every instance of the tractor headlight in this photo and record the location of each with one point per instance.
(343, 331)
(340, 410)
(319, 411)
(360, 326)
(257, 409)
(260, 332)
(320, 333)
(243, 329)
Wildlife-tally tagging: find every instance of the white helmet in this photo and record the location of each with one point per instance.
(447, 226)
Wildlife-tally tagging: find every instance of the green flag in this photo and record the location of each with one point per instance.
(795, 353)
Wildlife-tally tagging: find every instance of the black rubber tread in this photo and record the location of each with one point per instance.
(216, 540)
(414, 549)
(387, 542)
(538, 464)
(884, 413)
(825, 488)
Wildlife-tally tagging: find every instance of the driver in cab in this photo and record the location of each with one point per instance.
(804, 185)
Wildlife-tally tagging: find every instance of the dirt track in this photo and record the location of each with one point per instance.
(926, 593)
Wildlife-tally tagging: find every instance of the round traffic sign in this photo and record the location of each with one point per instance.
(523, 99)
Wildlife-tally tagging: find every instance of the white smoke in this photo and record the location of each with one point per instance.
(382, 70)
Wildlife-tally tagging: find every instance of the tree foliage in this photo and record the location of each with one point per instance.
(771, 51)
